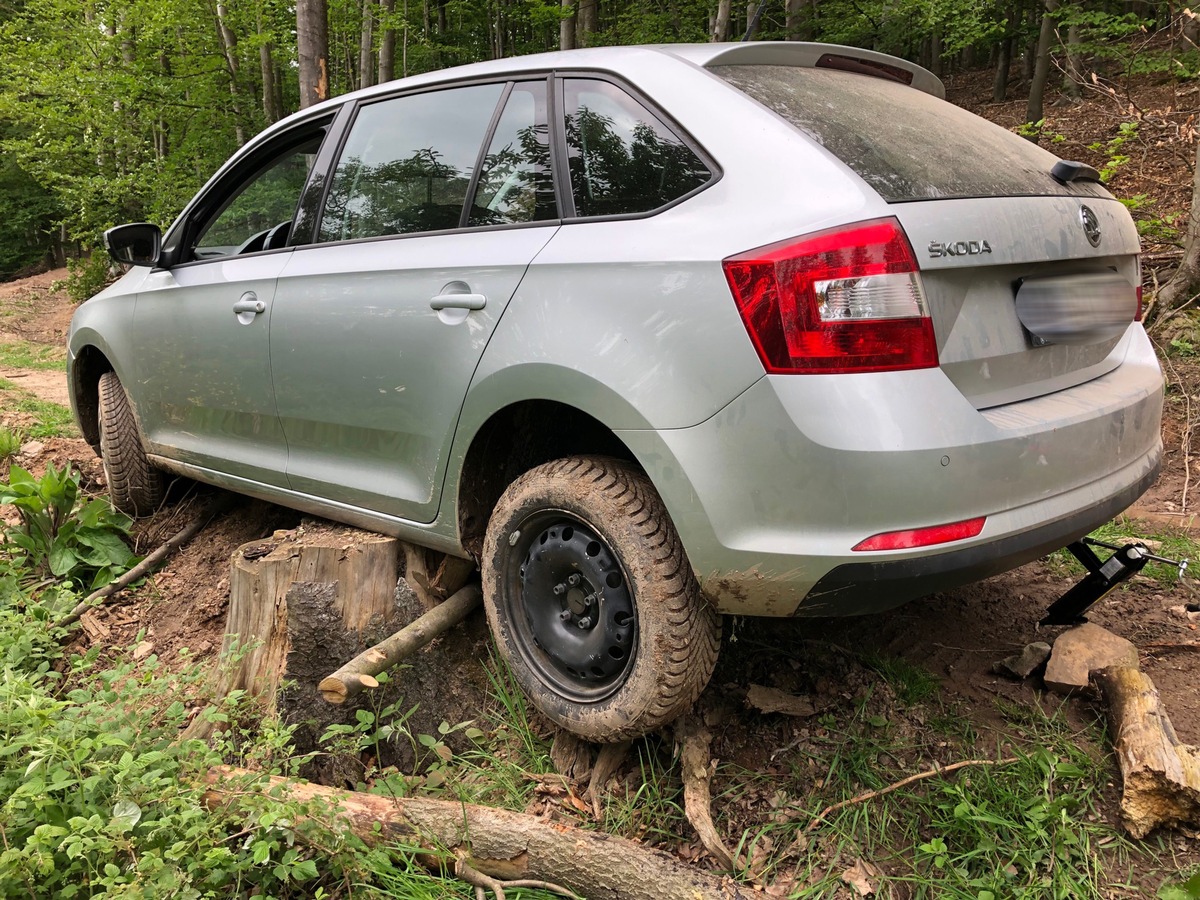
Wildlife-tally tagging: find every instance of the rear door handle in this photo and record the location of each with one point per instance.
(458, 301)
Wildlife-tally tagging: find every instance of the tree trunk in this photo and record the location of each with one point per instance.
(266, 63)
(1185, 282)
(566, 26)
(1160, 776)
(366, 40)
(312, 51)
(501, 844)
(793, 19)
(1041, 70)
(229, 44)
(721, 26)
(587, 16)
(1003, 61)
(387, 46)
(1073, 76)
(935, 51)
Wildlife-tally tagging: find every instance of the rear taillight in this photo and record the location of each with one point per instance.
(844, 300)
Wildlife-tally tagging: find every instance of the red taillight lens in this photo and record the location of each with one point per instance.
(922, 537)
(844, 300)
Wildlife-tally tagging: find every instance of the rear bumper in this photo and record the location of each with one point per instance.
(772, 493)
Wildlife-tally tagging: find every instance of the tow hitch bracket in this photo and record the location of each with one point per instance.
(1103, 575)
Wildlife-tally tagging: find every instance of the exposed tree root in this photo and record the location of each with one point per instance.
(695, 742)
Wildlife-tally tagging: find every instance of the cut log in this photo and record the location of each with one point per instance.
(358, 673)
(1160, 776)
(504, 845)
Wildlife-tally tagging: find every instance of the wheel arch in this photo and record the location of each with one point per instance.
(513, 440)
(89, 364)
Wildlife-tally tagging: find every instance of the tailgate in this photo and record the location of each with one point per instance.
(1022, 302)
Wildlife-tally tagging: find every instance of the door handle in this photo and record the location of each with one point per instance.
(249, 303)
(458, 301)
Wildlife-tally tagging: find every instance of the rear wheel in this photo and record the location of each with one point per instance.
(592, 601)
(134, 485)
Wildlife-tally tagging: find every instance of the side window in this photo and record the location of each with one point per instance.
(259, 214)
(407, 164)
(515, 184)
(621, 156)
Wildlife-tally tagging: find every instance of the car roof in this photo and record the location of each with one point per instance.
(779, 53)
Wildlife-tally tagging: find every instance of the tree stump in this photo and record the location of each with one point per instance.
(304, 602)
(363, 568)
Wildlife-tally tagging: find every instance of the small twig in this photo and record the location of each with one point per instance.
(904, 782)
(150, 562)
(484, 883)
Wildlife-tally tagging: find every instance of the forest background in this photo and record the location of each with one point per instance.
(118, 110)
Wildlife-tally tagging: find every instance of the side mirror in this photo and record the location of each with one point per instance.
(134, 245)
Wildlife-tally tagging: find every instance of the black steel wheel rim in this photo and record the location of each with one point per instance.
(571, 606)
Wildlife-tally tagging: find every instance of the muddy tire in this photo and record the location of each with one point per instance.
(134, 485)
(592, 602)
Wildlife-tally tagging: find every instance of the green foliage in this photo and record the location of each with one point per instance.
(86, 276)
(62, 533)
(10, 443)
(1186, 890)
(24, 355)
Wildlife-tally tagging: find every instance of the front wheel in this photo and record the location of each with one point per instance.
(134, 485)
(592, 601)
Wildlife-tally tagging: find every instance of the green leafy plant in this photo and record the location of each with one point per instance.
(10, 444)
(87, 276)
(62, 533)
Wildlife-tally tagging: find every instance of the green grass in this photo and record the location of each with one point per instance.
(25, 355)
(911, 683)
(51, 419)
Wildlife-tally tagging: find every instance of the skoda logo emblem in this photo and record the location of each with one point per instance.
(1091, 225)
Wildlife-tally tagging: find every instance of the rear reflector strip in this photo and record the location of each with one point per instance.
(922, 537)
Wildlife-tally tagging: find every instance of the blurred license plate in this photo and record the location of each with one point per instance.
(1076, 309)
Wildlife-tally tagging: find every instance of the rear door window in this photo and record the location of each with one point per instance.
(623, 159)
(407, 164)
(515, 184)
(908, 145)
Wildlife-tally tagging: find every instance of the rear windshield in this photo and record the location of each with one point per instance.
(906, 144)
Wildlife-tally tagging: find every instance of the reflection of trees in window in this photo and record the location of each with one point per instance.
(516, 185)
(419, 193)
(611, 174)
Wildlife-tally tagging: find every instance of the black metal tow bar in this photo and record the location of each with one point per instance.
(1102, 577)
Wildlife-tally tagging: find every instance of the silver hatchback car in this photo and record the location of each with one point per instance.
(653, 334)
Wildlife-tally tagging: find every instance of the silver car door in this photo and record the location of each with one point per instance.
(203, 371)
(377, 329)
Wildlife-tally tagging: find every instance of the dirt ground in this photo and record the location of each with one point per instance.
(957, 636)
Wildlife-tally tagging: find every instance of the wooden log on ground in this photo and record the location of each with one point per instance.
(504, 845)
(358, 673)
(1160, 775)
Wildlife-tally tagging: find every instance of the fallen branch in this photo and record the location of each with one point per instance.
(905, 782)
(506, 846)
(1160, 776)
(359, 673)
(147, 565)
(695, 743)
(484, 883)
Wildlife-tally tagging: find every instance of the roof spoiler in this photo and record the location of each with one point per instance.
(824, 56)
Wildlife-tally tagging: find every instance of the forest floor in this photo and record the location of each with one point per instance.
(887, 696)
